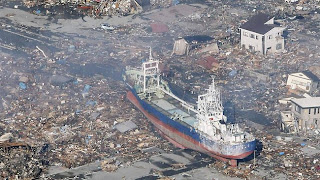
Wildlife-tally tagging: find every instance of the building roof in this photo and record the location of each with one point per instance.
(197, 38)
(208, 62)
(257, 24)
(307, 102)
(310, 75)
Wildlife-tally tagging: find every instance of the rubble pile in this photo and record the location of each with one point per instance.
(90, 8)
(21, 164)
(18, 160)
(73, 117)
(280, 156)
(69, 101)
(72, 109)
(290, 155)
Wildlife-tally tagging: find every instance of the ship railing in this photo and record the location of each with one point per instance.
(183, 103)
(228, 141)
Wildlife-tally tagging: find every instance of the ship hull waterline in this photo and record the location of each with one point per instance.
(182, 140)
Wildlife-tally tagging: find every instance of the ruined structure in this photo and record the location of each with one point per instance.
(304, 115)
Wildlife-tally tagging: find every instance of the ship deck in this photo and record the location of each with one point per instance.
(171, 108)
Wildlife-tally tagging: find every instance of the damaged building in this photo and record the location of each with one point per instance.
(184, 45)
(305, 81)
(303, 116)
(262, 34)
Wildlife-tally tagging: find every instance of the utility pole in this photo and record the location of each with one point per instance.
(254, 158)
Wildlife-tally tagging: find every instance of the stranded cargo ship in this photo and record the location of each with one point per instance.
(202, 129)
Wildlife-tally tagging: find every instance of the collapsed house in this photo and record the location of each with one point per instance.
(203, 43)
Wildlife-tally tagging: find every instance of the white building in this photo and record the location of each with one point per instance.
(261, 34)
(305, 81)
(304, 115)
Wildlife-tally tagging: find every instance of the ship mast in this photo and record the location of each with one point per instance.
(150, 69)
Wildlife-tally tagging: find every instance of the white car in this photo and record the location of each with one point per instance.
(106, 26)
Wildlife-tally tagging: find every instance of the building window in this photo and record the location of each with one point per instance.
(318, 110)
(270, 36)
(245, 33)
(252, 36)
(298, 82)
(298, 109)
(309, 110)
(315, 110)
(256, 37)
(279, 46)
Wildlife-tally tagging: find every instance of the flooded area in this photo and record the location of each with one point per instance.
(64, 108)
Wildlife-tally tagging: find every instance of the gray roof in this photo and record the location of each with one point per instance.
(198, 38)
(310, 75)
(256, 24)
(307, 102)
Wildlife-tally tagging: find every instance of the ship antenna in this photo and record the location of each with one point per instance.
(150, 54)
(212, 76)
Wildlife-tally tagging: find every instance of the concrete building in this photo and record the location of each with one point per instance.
(186, 44)
(304, 115)
(305, 81)
(261, 34)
